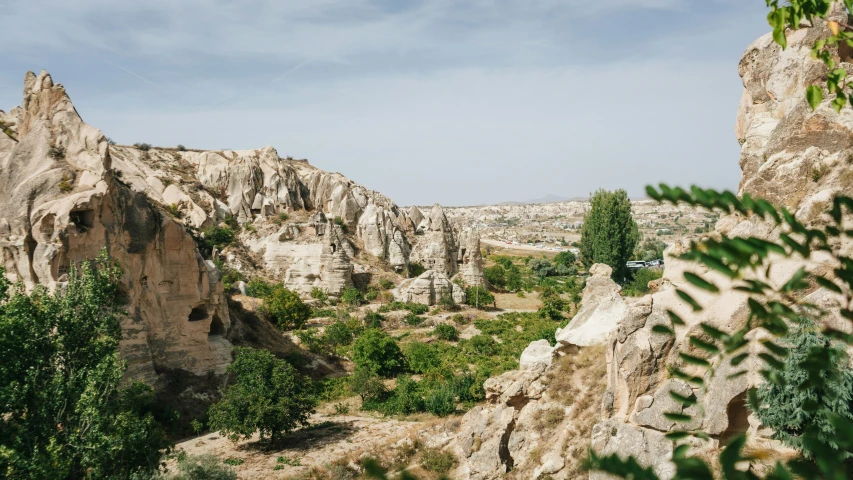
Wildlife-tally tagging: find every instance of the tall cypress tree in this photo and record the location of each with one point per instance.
(609, 233)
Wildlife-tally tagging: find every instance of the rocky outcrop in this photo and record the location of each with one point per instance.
(436, 247)
(470, 259)
(430, 288)
(62, 204)
(601, 311)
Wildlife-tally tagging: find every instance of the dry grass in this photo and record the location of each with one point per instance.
(579, 381)
(511, 301)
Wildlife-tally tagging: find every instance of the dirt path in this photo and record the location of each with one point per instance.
(332, 437)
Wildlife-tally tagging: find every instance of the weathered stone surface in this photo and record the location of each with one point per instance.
(601, 311)
(648, 447)
(429, 288)
(177, 317)
(537, 353)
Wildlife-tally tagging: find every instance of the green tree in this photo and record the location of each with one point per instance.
(374, 350)
(285, 308)
(352, 297)
(650, 249)
(609, 233)
(422, 357)
(782, 406)
(479, 297)
(495, 275)
(268, 396)
(445, 331)
(541, 267)
(366, 384)
(514, 281)
(339, 334)
(564, 263)
(63, 410)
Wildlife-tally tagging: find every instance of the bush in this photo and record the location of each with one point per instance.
(373, 320)
(496, 275)
(479, 297)
(422, 357)
(541, 267)
(413, 320)
(202, 467)
(784, 408)
(259, 288)
(285, 308)
(143, 146)
(405, 399)
(446, 332)
(416, 308)
(482, 345)
(317, 293)
(339, 334)
(219, 237)
(181, 148)
(639, 284)
(438, 461)
(341, 223)
(366, 384)
(386, 284)
(376, 351)
(352, 297)
(268, 396)
(415, 270)
(440, 401)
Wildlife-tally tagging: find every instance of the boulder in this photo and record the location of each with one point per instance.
(601, 311)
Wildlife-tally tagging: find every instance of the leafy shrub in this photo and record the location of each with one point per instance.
(482, 345)
(280, 218)
(142, 146)
(202, 467)
(438, 461)
(56, 152)
(338, 334)
(352, 297)
(416, 308)
(234, 462)
(412, 319)
(181, 148)
(405, 399)
(541, 267)
(479, 297)
(310, 340)
(386, 284)
(784, 407)
(219, 237)
(174, 210)
(366, 383)
(496, 275)
(415, 270)
(639, 284)
(341, 223)
(373, 320)
(285, 308)
(421, 357)
(268, 396)
(375, 351)
(440, 400)
(317, 293)
(446, 332)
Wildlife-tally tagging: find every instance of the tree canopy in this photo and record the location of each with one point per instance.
(609, 233)
(64, 412)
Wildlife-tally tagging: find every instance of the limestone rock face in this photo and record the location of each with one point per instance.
(62, 204)
(537, 353)
(470, 259)
(601, 311)
(436, 247)
(429, 288)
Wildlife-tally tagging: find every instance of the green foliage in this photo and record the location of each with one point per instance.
(438, 461)
(219, 237)
(339, 334)
(415, 270)
(541, 267)
(440, 400)
(181, 148)
(366, 383)
(639, 284)
(446, 332)
(317, 293)
(202, 467)
(65, 185)
(552, 304)
(650, 249)
(416, 308)
(174, 210)
(413, 320)
(808, 381)
(64, 410)
(495, 275)
(268, 396)
(374, 350)
(609, 233)
(783, 407)
(259, 288)
(479, 297)
(143, 146)
(373, 320)
(564, 264)
(422, 357)
(285, 308)
(386, 284)
(352, 297)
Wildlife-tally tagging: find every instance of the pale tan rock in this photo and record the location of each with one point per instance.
(601, 311)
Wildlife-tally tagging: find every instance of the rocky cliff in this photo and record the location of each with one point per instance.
(68, 192)
(792, 156)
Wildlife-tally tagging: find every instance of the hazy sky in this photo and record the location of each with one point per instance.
(457, 102)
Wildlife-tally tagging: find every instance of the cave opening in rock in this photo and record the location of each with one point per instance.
(738, 416)
(461, 258)
(82, 219)
(332, 246)
(216, 326)
(198, 313)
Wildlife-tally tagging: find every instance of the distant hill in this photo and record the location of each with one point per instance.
(549, 198)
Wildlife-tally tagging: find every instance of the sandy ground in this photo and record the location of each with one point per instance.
(512, 302)
(342, 436)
